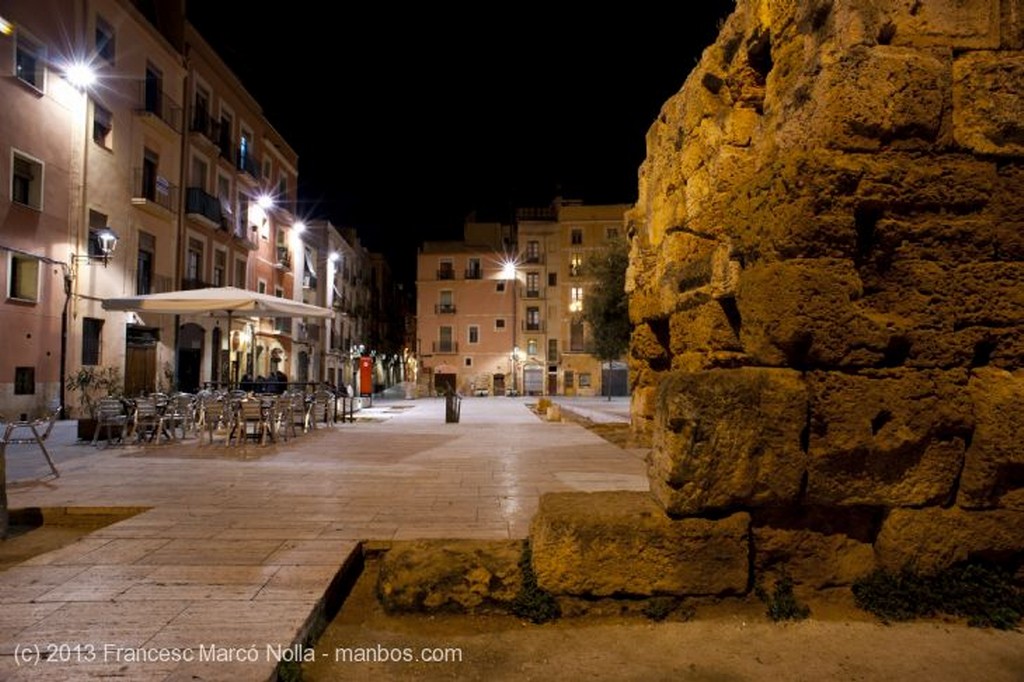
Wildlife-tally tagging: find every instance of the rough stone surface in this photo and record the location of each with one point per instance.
(837, 191)
(928, 540)
(993, 474)
(729, 438)
(622, 544)
(450, 575)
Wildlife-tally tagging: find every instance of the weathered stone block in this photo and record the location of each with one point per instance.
(803, 314)
(645, 345)
(892, 439)
(450, 575)
(929, 540)
(622, 543)
(993, 474)
(817, 547)
(728, 437)
(703, 329)
(950, 23)
(988, 103)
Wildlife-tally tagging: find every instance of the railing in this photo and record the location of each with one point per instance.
(533, 258)
(205, 125)
(187, 283)
(154, 189)
(446, 347)
(198, 202)
(444, 273)
(444, 309)
(248, 163)
(533, 326)
(534, 293)
(284, 257)
(474, 273)
(160, 105)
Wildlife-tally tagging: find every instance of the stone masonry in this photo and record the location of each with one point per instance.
(827, 286)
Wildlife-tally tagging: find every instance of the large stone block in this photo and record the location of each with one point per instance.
(803, 313)
(929, 540)
(704, 328)
(993, 474)
(950, 23)
(887, 438)
(725, 438)
(818, 547)
(450, 575)
(622, 544)
(988, 103)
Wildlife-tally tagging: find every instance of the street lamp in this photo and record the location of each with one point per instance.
(508, 273)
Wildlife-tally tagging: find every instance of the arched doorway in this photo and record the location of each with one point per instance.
(190, 356)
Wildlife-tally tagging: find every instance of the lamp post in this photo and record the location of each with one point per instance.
(509, 274)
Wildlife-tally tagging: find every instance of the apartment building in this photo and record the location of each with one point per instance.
(501, 311)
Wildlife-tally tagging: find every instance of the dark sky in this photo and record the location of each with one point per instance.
(407, 120)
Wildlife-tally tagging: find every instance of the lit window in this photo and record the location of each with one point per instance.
(27, 181)
(575, 299)
(576, 265)
(531, 346)
(23, 283)
(29, 61)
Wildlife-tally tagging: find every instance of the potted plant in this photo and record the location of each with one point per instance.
(92, 382)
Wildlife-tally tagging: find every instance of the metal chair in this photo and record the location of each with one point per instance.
(110, 414)
(38, 438)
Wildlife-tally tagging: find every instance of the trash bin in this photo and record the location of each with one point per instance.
(452, 407)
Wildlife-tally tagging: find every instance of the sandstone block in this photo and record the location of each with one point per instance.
(450, 575)
(929, 540)
(993, 474)
(728, 437)
(622, 544)
(950, 23)
(645, 345)
(703, 329)
(892, 439)
(817, 547)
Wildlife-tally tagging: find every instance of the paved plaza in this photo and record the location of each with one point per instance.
(230, 558)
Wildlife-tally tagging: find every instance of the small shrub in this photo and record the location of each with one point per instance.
(984, 595)
(533, 603)
(781, 602)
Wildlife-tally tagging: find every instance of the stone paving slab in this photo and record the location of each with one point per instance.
(236, 547)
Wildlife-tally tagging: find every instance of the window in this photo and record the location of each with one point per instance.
(532, 252)
(584, 379)
(474, 333)
(261, 286)
(201, 111)
(473, 270)
(154, 90)
(552, 350)
(27, 181)
(499, 323)
(105, 41)
(569, 378)
(240, 280)
(97, 222)
(552, 279)
(533, 319)
(531, 346)
(243, 215)
(144, 271)
(445, 269)
(23, 283)
(92, 337)
(612, 233)
(24, 380)
(468, 362)
(499, 286)
(445, 341)
(576, 265)
(577, 235)
(199, 173)
(532, 284)
(576, 336)
(575, 299)
(282, 188)
(150, 162)
(224, 141)
(29, 61)
(194, 262)
(102, 125)
(220, 267)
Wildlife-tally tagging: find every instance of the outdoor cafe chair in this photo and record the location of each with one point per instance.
(180, 413)
(110, 415)
(37, 438)
(149, 420)
(216, 415)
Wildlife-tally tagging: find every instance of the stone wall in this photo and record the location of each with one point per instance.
(826, 285)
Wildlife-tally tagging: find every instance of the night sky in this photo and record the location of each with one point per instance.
(407, 120)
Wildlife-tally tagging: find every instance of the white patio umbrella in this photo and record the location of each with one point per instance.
(220, 301)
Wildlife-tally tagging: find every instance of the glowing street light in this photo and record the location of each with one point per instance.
(81, 75)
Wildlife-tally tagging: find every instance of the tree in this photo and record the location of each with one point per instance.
(605, 306)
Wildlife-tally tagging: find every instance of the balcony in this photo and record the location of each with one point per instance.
(444, 309)
(248, 164)
(534, 293)
(158, 105)
(284, 257)
(533, 258)
(446, 347)
(533, 326)
(205, 207)
(474, 273)
(150, 189)
(445, 273)
(308, 333)
(206, 130)
(192, 283)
